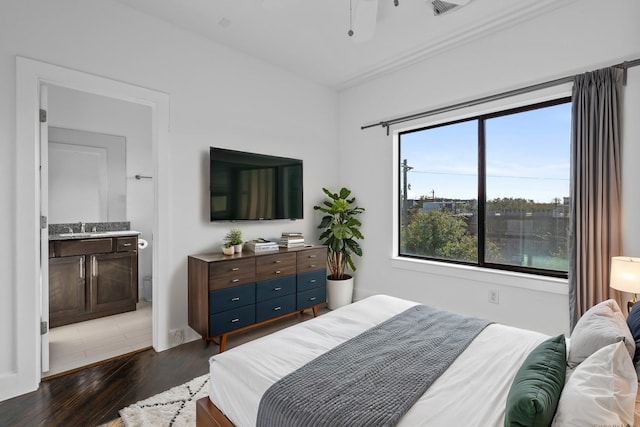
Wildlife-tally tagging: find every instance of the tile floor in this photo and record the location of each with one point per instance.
(80, 344)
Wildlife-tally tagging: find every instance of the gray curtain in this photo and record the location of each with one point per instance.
(595, 187)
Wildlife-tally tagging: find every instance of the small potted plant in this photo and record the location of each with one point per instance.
(340, 233)
(234, 239)
(227, 248)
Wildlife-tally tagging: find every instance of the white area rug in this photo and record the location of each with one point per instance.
(175, 407)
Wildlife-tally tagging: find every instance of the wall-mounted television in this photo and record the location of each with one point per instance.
(251, 186)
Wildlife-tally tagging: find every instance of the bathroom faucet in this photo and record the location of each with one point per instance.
(82, 230)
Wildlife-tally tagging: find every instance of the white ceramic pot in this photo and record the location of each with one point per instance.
(228, 251)
(339, 292)
(237, 248)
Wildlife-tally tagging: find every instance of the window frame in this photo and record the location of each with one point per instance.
(481, 190)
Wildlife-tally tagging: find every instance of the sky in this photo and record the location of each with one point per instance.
(527, 157)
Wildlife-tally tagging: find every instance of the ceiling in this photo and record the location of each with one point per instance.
(309, 37)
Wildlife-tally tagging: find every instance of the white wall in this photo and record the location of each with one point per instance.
(72, 109)
(576, 38)
(218, 97)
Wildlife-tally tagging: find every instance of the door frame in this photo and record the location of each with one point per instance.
(31, 75)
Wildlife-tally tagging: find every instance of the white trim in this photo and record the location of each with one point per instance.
(30, 75)
(508, 18)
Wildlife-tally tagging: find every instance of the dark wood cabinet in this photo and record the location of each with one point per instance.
(91, 278)
(228, 294)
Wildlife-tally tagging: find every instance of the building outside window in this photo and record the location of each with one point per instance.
(492, 190)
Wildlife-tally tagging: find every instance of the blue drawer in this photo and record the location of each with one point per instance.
(231, 319)
(311, 297)
(275, 307)
(230, 298)
(275, 288)
(311, 279)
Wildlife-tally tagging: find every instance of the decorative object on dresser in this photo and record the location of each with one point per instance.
(291, 240)
(230, 294)
(340, 233)
(233, 238)
(261, 245)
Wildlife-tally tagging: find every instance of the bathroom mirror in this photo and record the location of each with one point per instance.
(87, 176)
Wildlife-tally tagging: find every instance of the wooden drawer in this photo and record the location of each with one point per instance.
(226, 321)
(126, 244)
(311, 297)
(312, 279)
(275, 307)
(274, 266)
(275, 288)
(230, 298)
(235, 272)
(311, 260)
(84, 247)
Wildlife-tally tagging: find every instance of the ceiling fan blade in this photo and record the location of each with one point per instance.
(365, 15)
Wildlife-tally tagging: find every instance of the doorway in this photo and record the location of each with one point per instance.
(97, 146)
(25, 354)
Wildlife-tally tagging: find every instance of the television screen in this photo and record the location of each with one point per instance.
(249, 186)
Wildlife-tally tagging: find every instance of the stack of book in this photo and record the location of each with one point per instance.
(291, 240)
(261, 245)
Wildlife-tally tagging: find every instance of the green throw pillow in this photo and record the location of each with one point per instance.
(535, 391)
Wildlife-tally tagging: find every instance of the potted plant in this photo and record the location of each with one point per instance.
(227, 248)
(234, 238)
(340, 233)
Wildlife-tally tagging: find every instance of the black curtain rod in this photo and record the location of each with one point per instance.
(539, 86)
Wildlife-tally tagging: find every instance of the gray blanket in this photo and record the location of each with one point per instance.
(374, 378)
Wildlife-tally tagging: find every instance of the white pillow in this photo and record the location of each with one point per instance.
(601, 325)
(601, 391)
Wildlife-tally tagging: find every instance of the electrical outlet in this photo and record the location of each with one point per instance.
(177, 335)
(494, 296)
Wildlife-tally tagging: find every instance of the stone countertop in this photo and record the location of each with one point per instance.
(93, 235)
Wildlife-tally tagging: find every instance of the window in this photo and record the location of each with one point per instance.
(491, 191)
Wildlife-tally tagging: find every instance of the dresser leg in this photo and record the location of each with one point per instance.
(223, 342)
(315, 311)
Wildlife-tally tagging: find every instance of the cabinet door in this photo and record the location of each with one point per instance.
(66, 289)
(113, 281)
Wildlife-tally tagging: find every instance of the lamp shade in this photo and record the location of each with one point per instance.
(625, 274)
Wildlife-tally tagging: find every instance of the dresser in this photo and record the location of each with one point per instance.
(229, 294)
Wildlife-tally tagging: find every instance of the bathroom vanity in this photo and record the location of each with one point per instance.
(92, 275)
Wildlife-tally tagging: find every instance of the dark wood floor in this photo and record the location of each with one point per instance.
(93, 396)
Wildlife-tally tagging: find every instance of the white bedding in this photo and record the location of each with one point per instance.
(472, 392)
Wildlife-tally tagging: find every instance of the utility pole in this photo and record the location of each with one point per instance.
(405, 208)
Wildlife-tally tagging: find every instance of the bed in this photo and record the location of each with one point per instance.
(473, 390)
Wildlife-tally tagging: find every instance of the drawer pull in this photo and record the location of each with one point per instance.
(312, 256)
(126, 244)
(312, 299)
(312, 265)
(312, 281)
(277, 289)
(278, 261)
(235, 320)
(277, 308)
(235, 269)
(235, 299)
(277, 272)
(235, 280)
